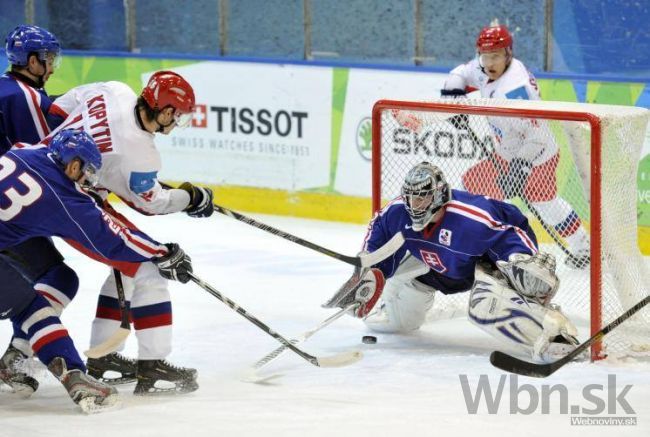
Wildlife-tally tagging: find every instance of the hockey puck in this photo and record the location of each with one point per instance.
(369, 339)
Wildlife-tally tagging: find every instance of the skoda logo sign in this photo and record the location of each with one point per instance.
(364, 138)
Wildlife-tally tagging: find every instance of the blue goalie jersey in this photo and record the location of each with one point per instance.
(472, 228)
(37, 199)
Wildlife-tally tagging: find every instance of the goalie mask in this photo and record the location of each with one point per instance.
(425, 191)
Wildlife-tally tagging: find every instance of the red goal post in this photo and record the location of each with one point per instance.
(402, 133)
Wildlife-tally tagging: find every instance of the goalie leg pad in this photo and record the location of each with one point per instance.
(518, 321)
(403, 307)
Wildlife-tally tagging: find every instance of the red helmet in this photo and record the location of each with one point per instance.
(494, 38)
(166, 88)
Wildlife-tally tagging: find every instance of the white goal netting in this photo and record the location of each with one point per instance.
(570, 167)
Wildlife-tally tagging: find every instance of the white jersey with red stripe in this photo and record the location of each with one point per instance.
(527, 139)
(130, 160)
(471, 228)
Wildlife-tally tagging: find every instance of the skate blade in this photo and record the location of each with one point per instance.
(110, 403)
(117, 381)
(170, 389)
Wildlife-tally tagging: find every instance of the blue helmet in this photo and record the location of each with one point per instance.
(25, 39)
(75, 143)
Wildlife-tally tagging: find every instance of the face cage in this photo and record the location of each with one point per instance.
(421, 215)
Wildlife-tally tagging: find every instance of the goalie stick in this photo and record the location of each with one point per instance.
(365, 260)
(338, 360)
(461, 122)
(117, 338)
(511, 364)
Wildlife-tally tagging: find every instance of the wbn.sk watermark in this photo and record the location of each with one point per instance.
(605, 404)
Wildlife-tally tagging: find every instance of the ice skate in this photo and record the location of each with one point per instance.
(91, 395)
(113, 369)
(159, 377)
(11, 372)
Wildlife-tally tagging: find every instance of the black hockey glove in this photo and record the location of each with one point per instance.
(512, 184)
(200, 200)
(176, 265)
(455, 93)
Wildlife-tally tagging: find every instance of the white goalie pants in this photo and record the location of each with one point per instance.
(148, 297)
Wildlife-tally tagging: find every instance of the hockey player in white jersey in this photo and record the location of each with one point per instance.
(455, 242)
(124, 126)
(526, 157)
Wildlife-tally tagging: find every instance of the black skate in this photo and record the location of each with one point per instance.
(91, 395)
(159, 377)
(112, 369)
(12, 375)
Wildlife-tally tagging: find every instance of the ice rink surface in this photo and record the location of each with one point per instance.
(404, 385)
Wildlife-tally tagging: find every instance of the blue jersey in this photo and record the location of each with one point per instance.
(25, 114)
(37, 199)
(471, 228)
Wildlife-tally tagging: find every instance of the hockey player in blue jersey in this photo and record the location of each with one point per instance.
(27, 116)
(456, 242)
(40, 195)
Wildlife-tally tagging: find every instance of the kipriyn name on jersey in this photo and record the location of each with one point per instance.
(100, 131)
(283, 123)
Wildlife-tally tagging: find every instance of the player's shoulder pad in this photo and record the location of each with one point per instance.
(141, 182)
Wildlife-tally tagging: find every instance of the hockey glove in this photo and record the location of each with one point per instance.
(512, 184)
(176, 265)
(532, 276)
(200, 200)
(455, 93)
(364, 287)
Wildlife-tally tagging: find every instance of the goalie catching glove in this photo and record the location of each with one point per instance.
(200, 200)
(364, 287)
(532, 276)
(176, 265)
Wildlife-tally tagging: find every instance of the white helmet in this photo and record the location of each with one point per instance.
(425, 191)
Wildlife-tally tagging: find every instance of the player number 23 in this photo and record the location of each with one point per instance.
(17, 201)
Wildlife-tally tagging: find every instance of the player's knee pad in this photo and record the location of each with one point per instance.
(403, 306)
(59, 285)
(518, 321)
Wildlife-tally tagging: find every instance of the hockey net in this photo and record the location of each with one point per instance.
(576, 183)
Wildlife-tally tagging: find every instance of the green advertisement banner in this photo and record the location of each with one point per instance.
(76, 70)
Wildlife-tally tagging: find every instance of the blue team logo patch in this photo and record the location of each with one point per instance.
(433, 260)
(445, 237)
(142, 182)
(518, 93)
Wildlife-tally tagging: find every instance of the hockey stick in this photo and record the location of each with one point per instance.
(461, 122)
(365, 260)
(511, 364)
(117, 338)
(302, 337)
(338, 360)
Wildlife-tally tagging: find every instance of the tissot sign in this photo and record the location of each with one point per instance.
(259, 125)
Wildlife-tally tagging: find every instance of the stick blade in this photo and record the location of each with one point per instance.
(110, 345)
(511, 364)
(383, 252)
(340, 360)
